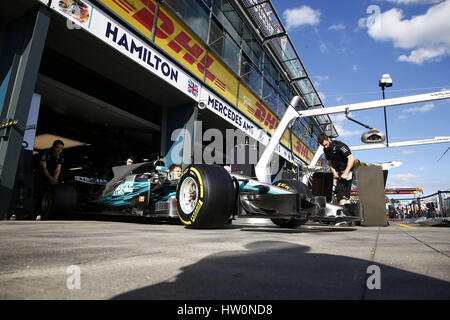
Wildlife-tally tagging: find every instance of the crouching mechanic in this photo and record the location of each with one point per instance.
(340, 161)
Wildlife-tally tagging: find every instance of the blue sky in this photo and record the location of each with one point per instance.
(345, 50)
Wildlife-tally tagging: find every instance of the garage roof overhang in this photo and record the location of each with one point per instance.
(265, 20)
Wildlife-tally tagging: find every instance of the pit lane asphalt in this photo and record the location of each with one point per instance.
(132, 259)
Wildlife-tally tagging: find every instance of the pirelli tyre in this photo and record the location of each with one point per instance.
(299, 187)
(59, 201)
(205, 195)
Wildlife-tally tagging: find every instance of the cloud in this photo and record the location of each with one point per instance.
(337, 27)
(422, 109)
(429, 183)
(355, 68)
(319, 79)
(338, 120)
(408, 151)
(426, 35)
(339, 99)
(402, 180)
(339, 117)
(303, 15)
(344, 132)
(362, 24)
(414, 1)
(423, 54)
(425, 108)
(322, 96)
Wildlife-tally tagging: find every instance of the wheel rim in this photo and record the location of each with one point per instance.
(188, 195)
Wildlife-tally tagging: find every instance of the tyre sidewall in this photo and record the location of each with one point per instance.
(190, 217)
(59, 201)
(215, 196)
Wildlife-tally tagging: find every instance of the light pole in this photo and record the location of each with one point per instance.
(385, 81)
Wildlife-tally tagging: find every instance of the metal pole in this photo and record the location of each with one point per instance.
(155, 21)
(31, 33)
(392, 102)
(420, 207)
(385, 121)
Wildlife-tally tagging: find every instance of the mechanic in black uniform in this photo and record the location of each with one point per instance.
(340, 161)
(50, 163)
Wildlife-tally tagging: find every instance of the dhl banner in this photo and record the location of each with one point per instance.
(93, 20)
(96, 22)
(172, 37)
(259, 113)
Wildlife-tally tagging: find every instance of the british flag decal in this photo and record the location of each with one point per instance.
(192, 88)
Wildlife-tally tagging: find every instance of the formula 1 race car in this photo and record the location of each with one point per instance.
(205, 196)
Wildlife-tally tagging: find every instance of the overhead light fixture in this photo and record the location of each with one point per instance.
(202, 105)
(385, 81)
(373, 136)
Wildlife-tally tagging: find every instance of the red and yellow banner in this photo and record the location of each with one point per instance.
(178, 42)
(172, 37)
(251, 106)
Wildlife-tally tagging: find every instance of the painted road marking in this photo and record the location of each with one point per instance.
(403, 225)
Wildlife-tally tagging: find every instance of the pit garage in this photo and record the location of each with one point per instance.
(105, 108)
(102, 105)
(95, 95)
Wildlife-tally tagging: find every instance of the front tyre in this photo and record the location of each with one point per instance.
(205, 195)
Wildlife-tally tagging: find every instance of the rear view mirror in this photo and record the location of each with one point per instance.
(373, 136)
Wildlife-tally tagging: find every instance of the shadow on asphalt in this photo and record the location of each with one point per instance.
(281, 270)
(302, 229)
(175, 221)
(235, 225)
(117, 218)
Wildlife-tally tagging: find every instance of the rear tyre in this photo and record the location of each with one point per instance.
(300, 188)
(205, 196)
(59, 201)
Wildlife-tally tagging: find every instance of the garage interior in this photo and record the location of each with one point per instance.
(116, 105)
(107, 104)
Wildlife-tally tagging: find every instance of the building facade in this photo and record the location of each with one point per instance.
(119, 77)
